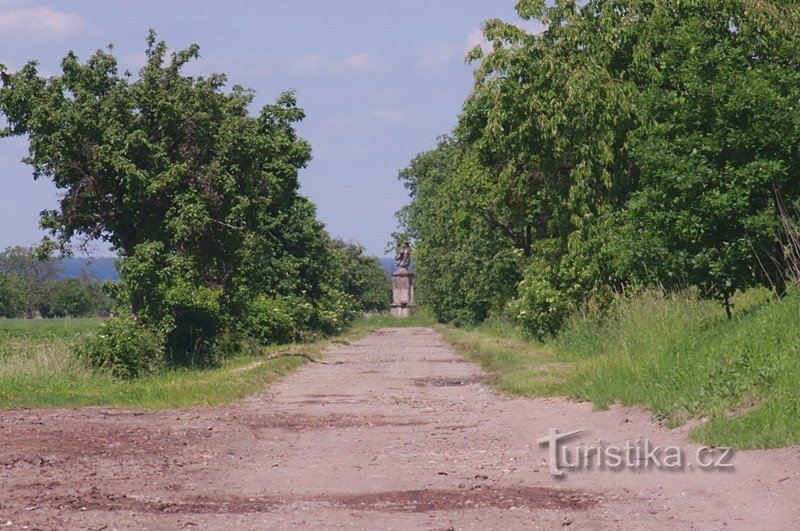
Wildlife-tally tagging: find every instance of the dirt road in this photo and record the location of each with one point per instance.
(393, 431)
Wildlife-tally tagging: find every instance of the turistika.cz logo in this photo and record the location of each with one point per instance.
(639, 454)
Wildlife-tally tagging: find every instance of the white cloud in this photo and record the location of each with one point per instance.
(309, 63)
(39, 22)
(362, 62)
(392, 116)
(313, 63)
(438, 56)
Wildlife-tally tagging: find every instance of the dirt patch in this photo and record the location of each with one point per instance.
(423, 501)
(415, 501)
(43, 444)
(299, 422)
(438, 381)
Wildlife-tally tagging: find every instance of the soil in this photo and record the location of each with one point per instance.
(395, 431)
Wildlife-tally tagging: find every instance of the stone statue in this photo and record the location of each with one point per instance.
(403, 284)
(403, 258)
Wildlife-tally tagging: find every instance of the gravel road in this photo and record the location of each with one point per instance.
(393, 431)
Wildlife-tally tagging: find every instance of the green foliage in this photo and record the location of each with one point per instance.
(359, 275)
(198, 196)
(465, 266)
(29, 287)
(12, 303)
(124, 347)
(539, 307)
(71, 298)
(631, 143)
(32, 275)
(718, 151)
(335, 310)
(274, 320)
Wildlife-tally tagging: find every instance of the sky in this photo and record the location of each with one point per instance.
(379, 80)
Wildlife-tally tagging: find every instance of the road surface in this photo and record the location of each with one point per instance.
(393, 431)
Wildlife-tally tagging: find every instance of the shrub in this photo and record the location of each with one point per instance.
(124, 347)
(334, 311)
(539, 307)
(71, 298)
(12, 303)
(272, 320)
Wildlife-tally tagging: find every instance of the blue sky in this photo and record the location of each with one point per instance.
(379, 81)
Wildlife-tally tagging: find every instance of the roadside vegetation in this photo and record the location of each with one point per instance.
(614, 205)
(674, 355)
(629, 144)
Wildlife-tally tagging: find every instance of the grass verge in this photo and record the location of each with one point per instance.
(679, 357)
(37, 369)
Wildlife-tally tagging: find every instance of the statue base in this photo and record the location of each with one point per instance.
(402, 293)
(402, 311)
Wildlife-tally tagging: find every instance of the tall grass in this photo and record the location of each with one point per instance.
(677, 356)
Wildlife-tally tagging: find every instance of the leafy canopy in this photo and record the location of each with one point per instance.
(198, 195)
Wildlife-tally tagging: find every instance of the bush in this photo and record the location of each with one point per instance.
(334, 311)
(539, 307)
(272, 320)
(359, 275)
(124, 347)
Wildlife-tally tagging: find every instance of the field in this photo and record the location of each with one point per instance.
(37, 370)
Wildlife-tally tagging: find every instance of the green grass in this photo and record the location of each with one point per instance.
(383, 320)
(38, 370)
(678, 357)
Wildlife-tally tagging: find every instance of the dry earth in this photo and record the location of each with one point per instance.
(393, 431)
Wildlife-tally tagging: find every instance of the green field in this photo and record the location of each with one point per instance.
(678, 357)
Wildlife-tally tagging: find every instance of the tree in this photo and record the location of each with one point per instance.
(466, 266)
(71, 298)
(11, 297)
(198, 196)
(360, 276)
(630, 142)
(719, 151)
(33, 272)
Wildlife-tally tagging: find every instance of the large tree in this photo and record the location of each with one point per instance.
(628, 142)
(198, 195)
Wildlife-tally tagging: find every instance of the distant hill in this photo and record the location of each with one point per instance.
(101, 268)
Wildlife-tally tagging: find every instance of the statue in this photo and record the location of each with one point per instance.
(403, 284)
(403, 258)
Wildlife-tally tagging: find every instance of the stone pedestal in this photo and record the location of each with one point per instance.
(403, 293)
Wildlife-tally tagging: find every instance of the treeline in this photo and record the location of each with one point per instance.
(631, 143)
(198, 196)
(31, 286)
